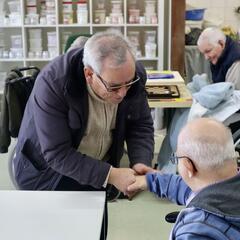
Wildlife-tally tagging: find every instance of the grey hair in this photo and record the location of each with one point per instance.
(212, 36)
(109, 44)
(208, 151)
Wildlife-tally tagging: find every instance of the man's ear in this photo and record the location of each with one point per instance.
(221, 43)
(88, 74)
(189, 167)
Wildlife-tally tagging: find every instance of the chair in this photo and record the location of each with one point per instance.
(72, 38)
(16, 93)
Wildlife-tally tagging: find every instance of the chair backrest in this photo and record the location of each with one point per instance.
(72, 38)
(21, 88)
(17, 90)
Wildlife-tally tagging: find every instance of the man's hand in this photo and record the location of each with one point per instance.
(139, 185)
(121, 178)
(142, 169)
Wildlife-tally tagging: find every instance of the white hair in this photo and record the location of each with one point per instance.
(209, 150)
(110, 44)
(212, 36)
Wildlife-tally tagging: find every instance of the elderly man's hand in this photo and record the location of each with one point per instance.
(121, 178)
(142, 169)
(139, 185)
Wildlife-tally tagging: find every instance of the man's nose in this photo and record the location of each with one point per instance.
(206, 56)
(122, 91)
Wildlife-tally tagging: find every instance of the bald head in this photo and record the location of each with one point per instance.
(207, 142)
(211, 36)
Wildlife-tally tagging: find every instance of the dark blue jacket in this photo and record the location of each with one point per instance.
(55, 120)
(230, 54)
(213, 214)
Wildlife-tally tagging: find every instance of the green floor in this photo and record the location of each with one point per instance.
(139, 219)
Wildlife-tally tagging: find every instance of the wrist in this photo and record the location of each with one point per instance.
(112, 175)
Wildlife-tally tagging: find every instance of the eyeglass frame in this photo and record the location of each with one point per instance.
(116, 88)
(175, 159)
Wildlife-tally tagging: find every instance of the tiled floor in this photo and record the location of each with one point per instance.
(139, 219)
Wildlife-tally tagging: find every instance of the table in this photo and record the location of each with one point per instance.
(51, 215)
(185, 99)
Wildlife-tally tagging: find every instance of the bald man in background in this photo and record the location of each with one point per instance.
(208, 183)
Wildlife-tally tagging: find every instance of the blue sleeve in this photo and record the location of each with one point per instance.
(168, 186)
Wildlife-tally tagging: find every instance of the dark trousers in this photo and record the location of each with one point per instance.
(69, 184)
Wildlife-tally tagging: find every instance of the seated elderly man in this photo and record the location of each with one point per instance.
(207, 186)
(223, 54)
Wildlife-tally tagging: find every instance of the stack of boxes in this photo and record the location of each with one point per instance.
(150, 12)
(35, 43)
(100, 12)
(116, 15)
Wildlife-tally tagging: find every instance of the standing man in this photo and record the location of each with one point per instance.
(223, 54)
(83, 106)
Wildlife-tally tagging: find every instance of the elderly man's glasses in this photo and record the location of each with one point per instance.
(117, 87)
(175, 159)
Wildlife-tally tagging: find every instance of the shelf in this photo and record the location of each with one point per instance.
(141, 25)
(39, 26)
(10, 26)
(147, 59)
(64, 30)
(12, 59)
(38, 59)
(74, 25)
(108, 25)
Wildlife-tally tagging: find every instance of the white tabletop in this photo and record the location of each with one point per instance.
(51, 215)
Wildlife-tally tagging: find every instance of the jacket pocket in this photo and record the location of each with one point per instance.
(34, 156)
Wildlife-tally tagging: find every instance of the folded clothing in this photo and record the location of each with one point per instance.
(213, 94)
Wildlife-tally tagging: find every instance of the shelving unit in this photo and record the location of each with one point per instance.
(89, 28)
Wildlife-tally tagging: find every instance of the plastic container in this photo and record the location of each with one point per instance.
(194, 14)
(52, 38)
(35, 33)
(14, 19)
(14, 6)
(99, 16)
(31, 2)
(134, 37)
(150, 50)
(150, 6)
(101, 4)
(81, 6)
(67, 6)
(134, 15)
(16, 53)
(52, 51)
(150, 36)
(2, 42)
(82, 17)
(35, 43)
(31, 9)
(33, 19)
(16, 41)
(67, 17)
(51, 19)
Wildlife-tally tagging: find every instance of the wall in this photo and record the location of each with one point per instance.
(221, 10)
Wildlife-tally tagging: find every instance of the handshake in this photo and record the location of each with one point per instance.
(130, 181)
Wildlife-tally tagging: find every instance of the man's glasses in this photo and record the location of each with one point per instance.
(115, 88)
(175, 159)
